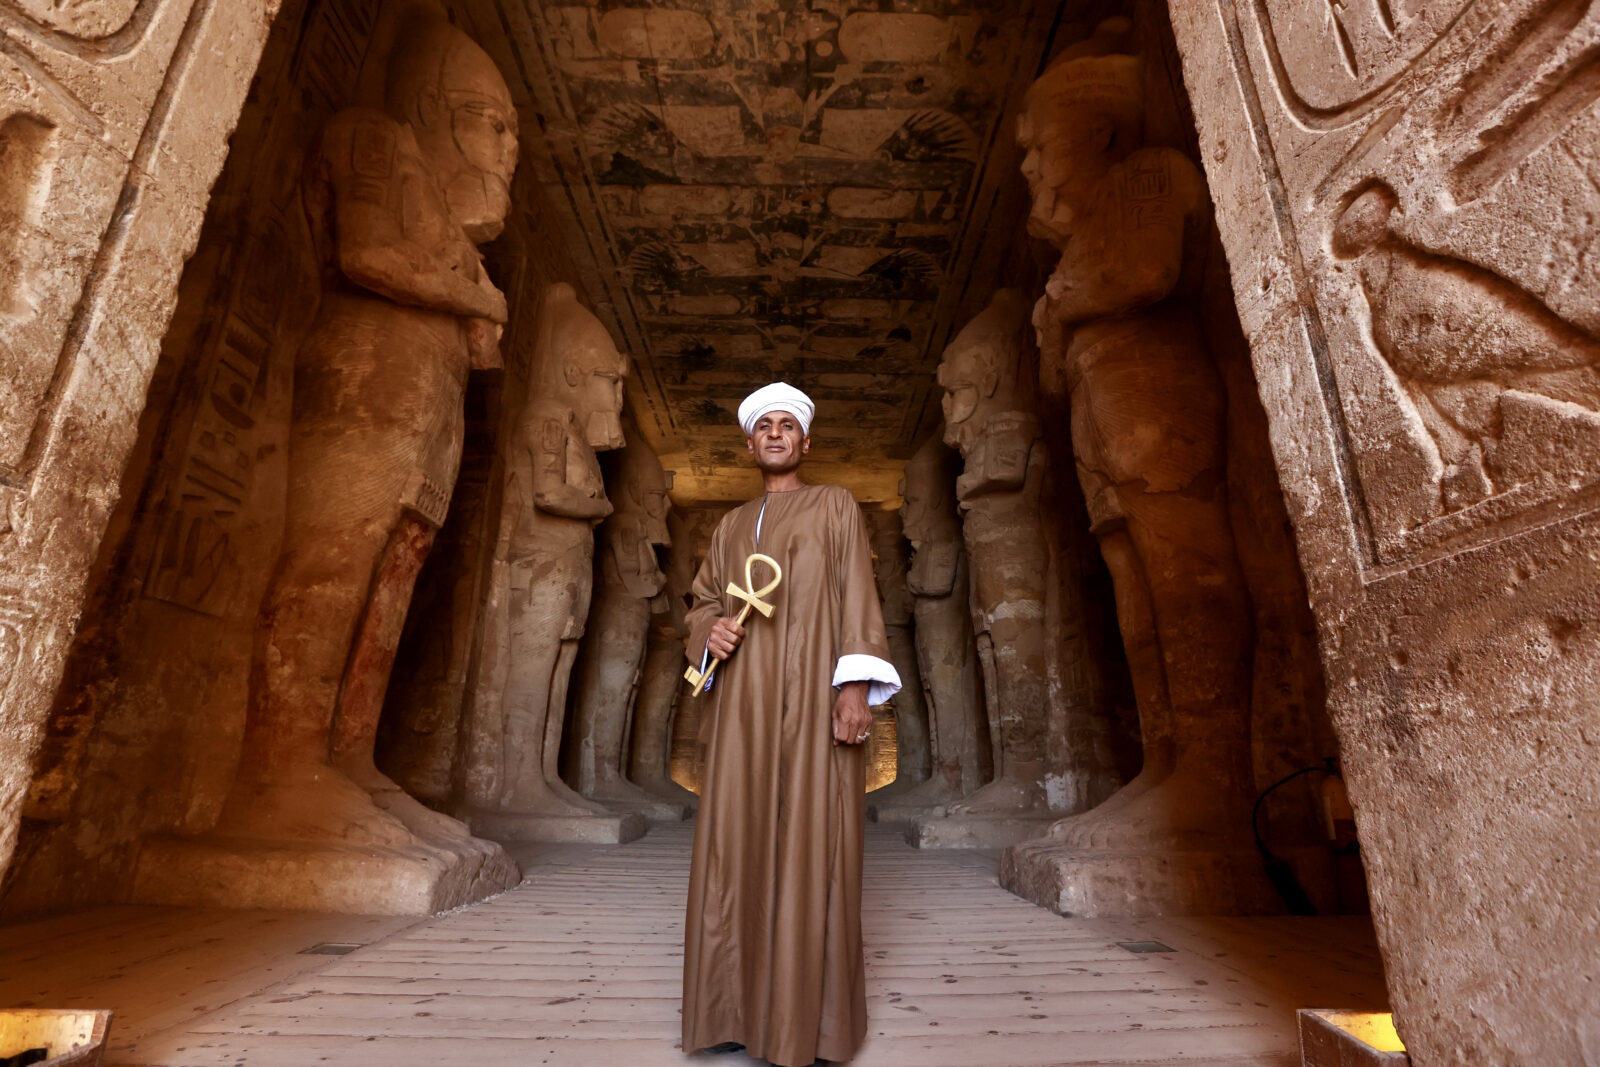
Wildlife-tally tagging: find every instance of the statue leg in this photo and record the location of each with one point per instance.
(287, 787)
(1136, 622)
(1201, 615)
(366, 681)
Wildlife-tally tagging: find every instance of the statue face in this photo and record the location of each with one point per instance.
(1081, 117)
(962, 377)
(458, 105)
(484, 131)
(648, 487)
(926, 495)
(599, 404)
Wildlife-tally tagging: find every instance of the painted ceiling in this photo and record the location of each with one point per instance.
(765, 189)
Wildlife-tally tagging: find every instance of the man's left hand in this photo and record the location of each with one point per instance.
(852, 719)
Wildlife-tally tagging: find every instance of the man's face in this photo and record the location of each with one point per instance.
(778, 442)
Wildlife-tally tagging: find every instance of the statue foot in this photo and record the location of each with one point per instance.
(1004, 796)
(416, 816)
(1077, 829)
(929, 792)
(553, 798)
(309, 805)
(1181, 810)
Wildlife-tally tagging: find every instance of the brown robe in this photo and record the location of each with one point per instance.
(772, 945)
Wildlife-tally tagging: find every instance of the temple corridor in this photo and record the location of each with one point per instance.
(580, 965)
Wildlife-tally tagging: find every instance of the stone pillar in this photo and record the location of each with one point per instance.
(1405, 208)
(661, 683)
(889, 563)
(947, 654)
(988, 408)
(398, 199)
(542, 577)
(628, 579)
(105, 170)
(1121, 348)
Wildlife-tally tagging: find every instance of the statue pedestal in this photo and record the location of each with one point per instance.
(652, 810)
(976, 831)
(225, 872)
(524, 826)
(1138, 883)
(891, 810)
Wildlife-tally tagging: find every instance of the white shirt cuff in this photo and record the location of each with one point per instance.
(856, 667)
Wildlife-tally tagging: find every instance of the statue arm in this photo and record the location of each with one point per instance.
(552, 492)
(1138, 257)
(383, 215)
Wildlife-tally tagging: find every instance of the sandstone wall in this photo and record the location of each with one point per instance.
(1408, 205)
(114, 121)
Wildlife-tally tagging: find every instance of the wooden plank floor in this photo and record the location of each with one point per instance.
(581, 966)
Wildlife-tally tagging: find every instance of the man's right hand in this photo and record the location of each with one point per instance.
(725, 637)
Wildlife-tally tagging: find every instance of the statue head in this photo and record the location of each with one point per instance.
(979, 370)
(888, 545)
(928, 489)
(1084, 114)
(577, 364)
(644, 489)
(457, 104)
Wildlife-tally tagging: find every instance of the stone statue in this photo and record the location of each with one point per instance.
(890, 561)
(542, 577)
(398, 200)
(628, 580)
(989, 418)
(1121, 347)
(661, 676)
(947, 657)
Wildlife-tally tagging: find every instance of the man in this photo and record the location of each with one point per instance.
(772, 947)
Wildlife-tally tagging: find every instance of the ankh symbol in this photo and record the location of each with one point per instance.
(752, 599)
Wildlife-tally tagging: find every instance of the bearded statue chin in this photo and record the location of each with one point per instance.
(480, 203)
(603, 430)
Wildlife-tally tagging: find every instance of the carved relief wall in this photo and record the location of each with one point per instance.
(113, 124)
(1408, 198)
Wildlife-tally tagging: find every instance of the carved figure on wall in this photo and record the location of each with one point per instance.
(989, 418)
(661, 676)
(629, 579)
(398, 201)
(1120, 345)
(890, 561)
(947, 656)
(1494, 375)
(538, 602)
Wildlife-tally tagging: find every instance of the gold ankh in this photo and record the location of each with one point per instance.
(752, 599)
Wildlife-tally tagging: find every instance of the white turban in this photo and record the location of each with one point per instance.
(779, 396)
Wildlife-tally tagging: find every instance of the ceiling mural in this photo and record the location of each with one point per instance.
(764, 189)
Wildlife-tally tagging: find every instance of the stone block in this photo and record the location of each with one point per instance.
(589, 829)
(323, 876)
(976, 831)
(1139, 883)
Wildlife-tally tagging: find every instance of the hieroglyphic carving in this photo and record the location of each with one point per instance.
(194, 563)
(1402, 224)
(88, 282)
